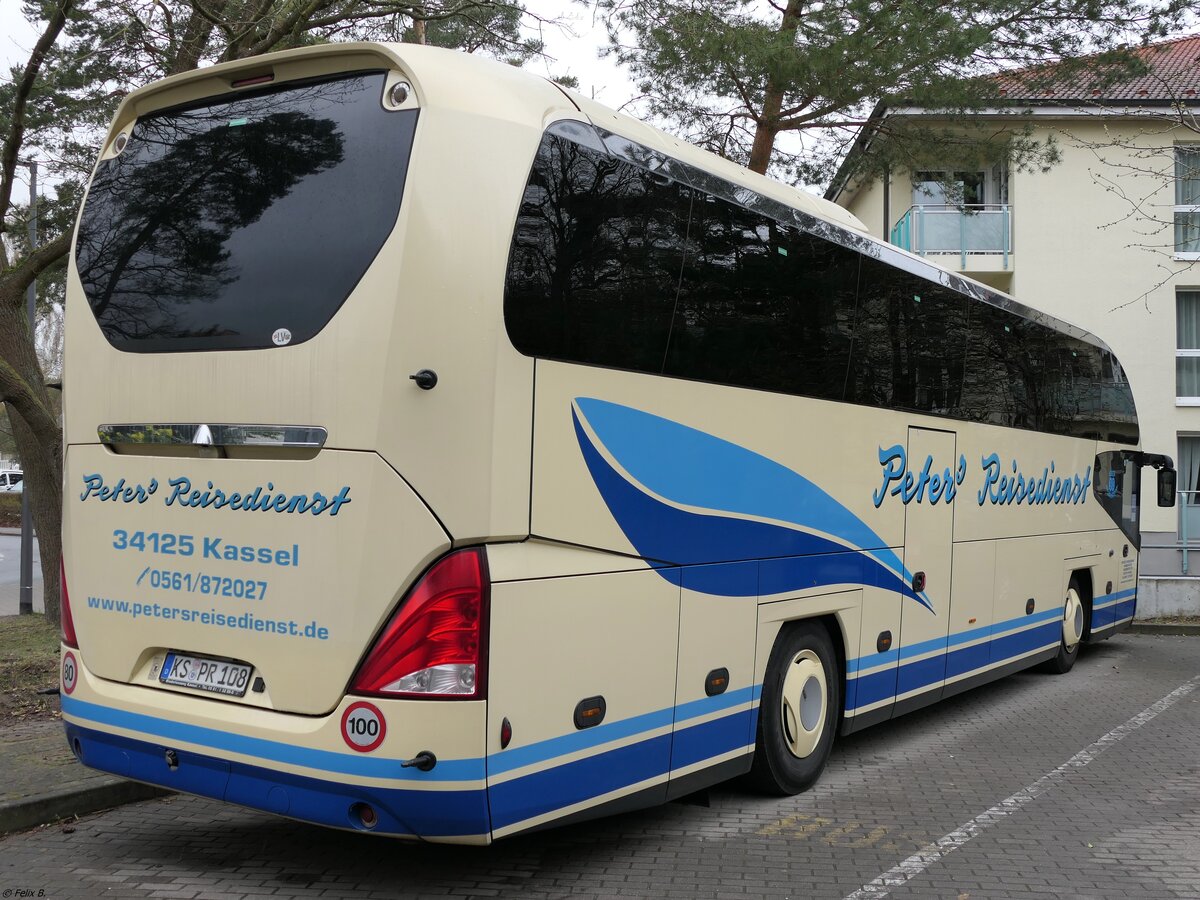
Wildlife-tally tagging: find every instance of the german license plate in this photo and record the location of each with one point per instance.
(216, 675)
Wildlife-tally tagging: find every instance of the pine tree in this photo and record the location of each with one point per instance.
(734, 75)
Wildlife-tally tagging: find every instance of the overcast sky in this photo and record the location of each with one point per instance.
(570, 54)
(574, 52)
(577, 52)
(17, 37)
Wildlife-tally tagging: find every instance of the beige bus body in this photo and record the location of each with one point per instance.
(504, 452)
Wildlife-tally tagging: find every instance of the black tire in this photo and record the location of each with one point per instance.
(794, 736)
(1073, 627)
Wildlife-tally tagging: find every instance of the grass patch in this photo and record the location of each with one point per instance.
(10, 510)
(28, 664)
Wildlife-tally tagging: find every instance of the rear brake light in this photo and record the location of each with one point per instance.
(434, 644)
(67, 624)
(254, 79)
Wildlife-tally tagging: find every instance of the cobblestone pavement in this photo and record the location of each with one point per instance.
(36, 755)
(1083, 786)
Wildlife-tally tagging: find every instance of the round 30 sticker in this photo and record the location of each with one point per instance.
(363, 727)
(70, 672)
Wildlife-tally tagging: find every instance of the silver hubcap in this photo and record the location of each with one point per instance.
(802, 707)
(1072, 620)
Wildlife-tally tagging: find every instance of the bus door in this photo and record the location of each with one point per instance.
(1118, 480)
(928, 547)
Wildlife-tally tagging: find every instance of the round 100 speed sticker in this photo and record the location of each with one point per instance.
(363, 727)
(70, 672)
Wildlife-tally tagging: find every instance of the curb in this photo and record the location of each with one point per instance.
(54, 806)
(1165, 627)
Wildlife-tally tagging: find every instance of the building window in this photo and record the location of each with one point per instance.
(1189, 478)
(1187, 201)
(949, 189)
(1187, 347)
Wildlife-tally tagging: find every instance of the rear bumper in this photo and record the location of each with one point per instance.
(459, 815)
(291, 765)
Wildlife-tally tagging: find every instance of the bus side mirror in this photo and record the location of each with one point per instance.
(1166, 487)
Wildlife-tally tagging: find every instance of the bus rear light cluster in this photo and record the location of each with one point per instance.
(433, 647)
(67, 622)
(456, 678)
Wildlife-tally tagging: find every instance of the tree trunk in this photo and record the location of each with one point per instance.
(764, 140)
(194, 40)
(767, 122)
(36, 430)
(43, 487)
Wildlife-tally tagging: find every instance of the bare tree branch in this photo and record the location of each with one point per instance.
(33, 265)
(16, 128)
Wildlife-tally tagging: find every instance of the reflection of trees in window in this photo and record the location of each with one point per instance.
(225, 222)
(998, 383)
(774, 299)
(595, 259)
(763, 305)
(729, 305)
(160, 215)
(1072, 399)
(910, 342)
(1024, 374)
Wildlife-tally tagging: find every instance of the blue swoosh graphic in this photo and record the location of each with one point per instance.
(690, 467)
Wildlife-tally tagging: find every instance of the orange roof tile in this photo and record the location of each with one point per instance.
(1174, 74)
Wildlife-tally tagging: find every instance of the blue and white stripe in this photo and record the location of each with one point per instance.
(516, 788)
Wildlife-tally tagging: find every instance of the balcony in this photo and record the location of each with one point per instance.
(980, 235)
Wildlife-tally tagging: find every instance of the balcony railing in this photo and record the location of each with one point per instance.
(965, 230)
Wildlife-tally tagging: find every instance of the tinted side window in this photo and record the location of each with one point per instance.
(995, 382)
(1117, 485)
(595, 261)
(1066, 372)
(617, 266)
(762, 304)
(1119, 416)
(910, 342)
(1082, 394)
(1023, 374)
(823, 281)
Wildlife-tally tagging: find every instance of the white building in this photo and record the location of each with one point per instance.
(1108, 239)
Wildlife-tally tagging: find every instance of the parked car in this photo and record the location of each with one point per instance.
(12, 481)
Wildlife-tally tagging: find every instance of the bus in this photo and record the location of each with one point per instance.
(449, 456)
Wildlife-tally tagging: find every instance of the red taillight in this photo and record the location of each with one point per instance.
(67, 624)
(434, 644)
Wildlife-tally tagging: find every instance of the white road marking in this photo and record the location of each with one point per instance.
(931, 853)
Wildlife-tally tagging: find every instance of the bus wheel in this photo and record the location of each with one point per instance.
(1072, 630)
(798, 712)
